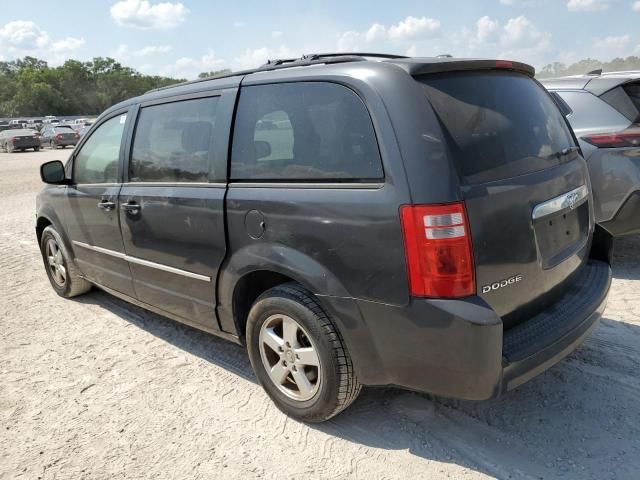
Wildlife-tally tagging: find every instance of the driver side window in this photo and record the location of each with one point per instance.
(97, 161)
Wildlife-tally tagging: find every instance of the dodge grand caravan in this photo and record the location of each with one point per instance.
(423, 223)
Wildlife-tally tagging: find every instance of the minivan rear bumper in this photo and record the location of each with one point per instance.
(457, 348)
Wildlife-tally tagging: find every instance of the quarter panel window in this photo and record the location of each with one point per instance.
(173, 142)
(303, 131)
(97, 160)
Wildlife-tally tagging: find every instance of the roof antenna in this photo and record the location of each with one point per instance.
(595, 72)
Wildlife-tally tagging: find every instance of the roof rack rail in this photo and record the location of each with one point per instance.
(304, 61)
(316, 56)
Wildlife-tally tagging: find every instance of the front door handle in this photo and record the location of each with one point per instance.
(131, 207)
(106, 205)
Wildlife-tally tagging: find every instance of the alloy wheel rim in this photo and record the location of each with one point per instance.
(55, 261)
(290, 358)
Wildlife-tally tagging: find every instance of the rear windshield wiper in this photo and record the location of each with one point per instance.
(564, 152)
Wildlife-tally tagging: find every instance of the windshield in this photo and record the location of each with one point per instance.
(499, 124)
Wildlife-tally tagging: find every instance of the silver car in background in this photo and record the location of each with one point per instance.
(604, 112)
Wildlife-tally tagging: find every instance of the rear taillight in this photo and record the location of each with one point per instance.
(59, 136)
(438, 250)
(626, 138)
(77, 135)
(13, 139)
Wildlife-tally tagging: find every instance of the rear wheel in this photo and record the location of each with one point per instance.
(36, 149)
(298, 355)
(62, 272)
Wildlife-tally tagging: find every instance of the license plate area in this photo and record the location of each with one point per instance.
(560, 235)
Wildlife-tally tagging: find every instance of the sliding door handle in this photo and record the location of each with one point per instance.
(106, 205)
(131, 207)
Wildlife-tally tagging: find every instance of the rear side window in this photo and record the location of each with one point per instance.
(498, 124)
(626, 100)
(173, 142)
(303, 131)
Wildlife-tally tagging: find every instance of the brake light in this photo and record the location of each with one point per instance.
(59, 136)
(438, 250)
(626, 138)
(504, 64)
(13, 139)
(77, 135)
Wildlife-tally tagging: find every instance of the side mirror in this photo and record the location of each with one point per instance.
(53, 173)
(262, 149)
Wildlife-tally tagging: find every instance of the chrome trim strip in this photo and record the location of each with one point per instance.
(175, 184)
(566, 201)
(145, 263)
(309, 185)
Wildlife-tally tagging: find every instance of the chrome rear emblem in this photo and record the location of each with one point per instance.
(572, 199)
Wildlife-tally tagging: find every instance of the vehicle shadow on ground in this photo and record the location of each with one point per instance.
(626, 258)
(581, 419)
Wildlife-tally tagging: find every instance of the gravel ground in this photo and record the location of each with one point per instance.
(96, 388)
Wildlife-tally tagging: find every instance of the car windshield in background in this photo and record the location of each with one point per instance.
(65, 129)
(499, 124)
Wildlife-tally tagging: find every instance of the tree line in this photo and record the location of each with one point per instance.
(29, 87)
(587, 65)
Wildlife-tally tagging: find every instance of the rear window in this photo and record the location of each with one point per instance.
(498, 124)
(64, 130)
(303, 131)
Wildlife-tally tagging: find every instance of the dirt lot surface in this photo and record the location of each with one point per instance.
(96, 388)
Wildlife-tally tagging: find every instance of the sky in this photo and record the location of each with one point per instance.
(184, 38)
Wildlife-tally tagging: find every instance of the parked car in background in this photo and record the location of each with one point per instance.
(604, 111)
(417, 222)
(34, 124)
(82, 132)
(19, 139)
(4, 125)
(59, 136)
(49, 120)
(17, 123)
(79, 124)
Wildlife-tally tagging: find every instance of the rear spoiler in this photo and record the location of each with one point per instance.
(424, 66)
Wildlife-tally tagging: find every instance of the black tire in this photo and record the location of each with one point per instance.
(36, 149)
(73, 284)
(63, 146)
(339, 386)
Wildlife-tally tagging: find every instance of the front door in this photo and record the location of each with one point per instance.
(92, 219)
(171, 210)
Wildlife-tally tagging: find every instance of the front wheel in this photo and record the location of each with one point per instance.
(65, 278)
(298, 355)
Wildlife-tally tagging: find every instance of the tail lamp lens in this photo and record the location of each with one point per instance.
(626, 138)
(438, 250)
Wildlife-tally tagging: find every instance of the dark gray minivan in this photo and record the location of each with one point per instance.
(423, 223)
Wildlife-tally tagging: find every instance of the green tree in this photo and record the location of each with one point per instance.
(215, 73)
(29, 87)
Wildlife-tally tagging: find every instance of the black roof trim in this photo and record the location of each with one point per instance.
(425, 66)
(304, 61)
